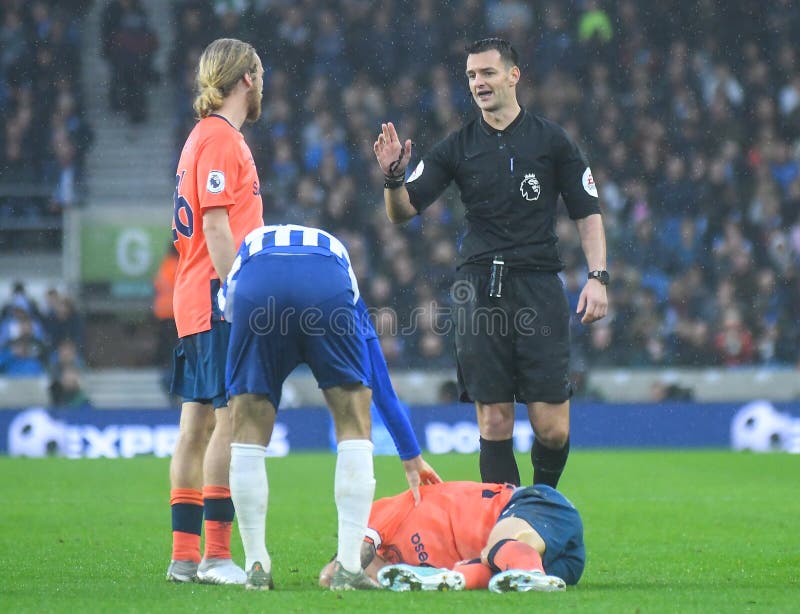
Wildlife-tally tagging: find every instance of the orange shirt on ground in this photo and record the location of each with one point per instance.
(451, 524)
(216, 169)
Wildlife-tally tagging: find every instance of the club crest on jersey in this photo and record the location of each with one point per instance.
(530, 187)
(216, 182)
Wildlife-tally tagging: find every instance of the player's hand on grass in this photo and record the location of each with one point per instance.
(419, 472)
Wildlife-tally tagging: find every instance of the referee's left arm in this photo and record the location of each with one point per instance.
(593, 300)
(593, 241)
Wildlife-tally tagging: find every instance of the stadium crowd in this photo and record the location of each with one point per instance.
(688, 111)
(44, 134)
(46, 340)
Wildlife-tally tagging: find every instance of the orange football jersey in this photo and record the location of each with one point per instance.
(216, 169)
(451, 523)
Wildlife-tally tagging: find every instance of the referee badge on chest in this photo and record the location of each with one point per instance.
(530, 187)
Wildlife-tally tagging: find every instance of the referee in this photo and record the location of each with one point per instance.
(511, 316)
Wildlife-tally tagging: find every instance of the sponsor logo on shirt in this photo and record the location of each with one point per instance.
(419, 547)
(216, 182)
(588, 182)
(530, 188)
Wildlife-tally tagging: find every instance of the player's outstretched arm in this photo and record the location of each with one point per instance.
(394, 416)
(418, 472)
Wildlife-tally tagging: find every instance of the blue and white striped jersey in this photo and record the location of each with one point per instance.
(286, 239)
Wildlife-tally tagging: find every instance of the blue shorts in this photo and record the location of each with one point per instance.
(557, 521)
(198, 366)
(292, 309)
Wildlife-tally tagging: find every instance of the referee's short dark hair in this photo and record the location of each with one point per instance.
(507, 53)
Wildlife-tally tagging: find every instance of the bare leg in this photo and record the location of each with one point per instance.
(217, 460)
(350, 408)
(194, 432)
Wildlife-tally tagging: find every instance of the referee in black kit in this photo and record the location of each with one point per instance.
(510, 167)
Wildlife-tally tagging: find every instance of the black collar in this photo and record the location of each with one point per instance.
(510, 129)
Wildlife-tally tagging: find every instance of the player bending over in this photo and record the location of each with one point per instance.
(472, 535)
(292, 298)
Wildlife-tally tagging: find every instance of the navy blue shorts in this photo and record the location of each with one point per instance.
(292, 309)
(557, 521)
(198, 366)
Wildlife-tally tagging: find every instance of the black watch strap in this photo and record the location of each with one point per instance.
(392, 183)
(602, 276)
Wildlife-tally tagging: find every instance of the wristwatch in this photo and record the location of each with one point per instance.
(602, 276)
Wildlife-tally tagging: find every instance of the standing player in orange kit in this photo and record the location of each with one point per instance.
(472, 535)
(217, 202)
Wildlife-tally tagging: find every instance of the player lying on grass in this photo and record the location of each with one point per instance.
(468, 535)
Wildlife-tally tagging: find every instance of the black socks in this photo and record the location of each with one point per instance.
(497, 462)
(548, 464)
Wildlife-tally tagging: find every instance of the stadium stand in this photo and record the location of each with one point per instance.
(693, 138)
(688, 111)
(45, 135)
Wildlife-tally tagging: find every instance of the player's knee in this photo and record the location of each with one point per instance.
(495, 423)
(194, 438)
(553, 436)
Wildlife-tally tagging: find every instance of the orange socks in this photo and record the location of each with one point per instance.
(476, 574)
(218, 508)
(513, 554)
(189, 505)
(187, 523)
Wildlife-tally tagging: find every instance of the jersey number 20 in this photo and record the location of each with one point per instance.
(181, 204)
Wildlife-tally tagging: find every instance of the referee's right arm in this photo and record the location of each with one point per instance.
(393, 157)
(398, 205)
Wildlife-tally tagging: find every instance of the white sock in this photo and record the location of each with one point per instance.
(354, 489)
(250, 492)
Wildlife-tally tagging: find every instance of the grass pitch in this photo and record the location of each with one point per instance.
(665, 532)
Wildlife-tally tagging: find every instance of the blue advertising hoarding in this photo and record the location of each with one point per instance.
(441, 429)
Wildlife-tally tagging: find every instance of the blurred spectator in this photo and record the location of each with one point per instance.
(734, 341)
(62, 321)
(128, 43)
(23, 352)
(66, 391)
(19, 299)
(167, 333)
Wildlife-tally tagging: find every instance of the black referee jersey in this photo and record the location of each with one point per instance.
(510, 181)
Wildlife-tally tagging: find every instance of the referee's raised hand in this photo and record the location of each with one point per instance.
(393, 155)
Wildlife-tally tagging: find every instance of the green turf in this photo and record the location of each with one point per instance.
(665, 532)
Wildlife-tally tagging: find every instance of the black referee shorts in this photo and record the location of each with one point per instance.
(513, 348)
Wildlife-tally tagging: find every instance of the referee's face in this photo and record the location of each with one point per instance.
(491, 81)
